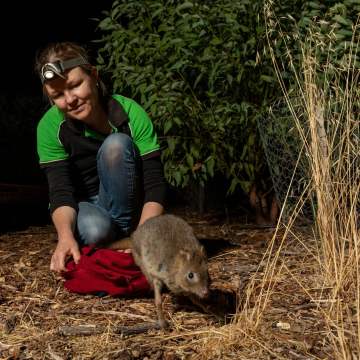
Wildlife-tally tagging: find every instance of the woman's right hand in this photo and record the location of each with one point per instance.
(65, 248)
(64, 218)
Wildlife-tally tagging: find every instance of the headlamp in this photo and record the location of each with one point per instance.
(57, 68)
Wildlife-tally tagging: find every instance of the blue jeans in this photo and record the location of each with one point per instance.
(114, 212)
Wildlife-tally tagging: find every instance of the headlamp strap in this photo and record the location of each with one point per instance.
(50, 69)
(68, 64)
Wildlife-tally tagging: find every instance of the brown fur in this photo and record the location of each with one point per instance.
(168, 253)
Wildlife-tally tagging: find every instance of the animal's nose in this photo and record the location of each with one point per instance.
(204, 293)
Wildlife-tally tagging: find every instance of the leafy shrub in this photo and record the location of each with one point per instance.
(203, 71)
(194, 66)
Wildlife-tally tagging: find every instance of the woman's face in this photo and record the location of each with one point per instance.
(76, 96)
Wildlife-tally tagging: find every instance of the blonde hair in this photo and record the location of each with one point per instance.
(60, 51)
(64, 51)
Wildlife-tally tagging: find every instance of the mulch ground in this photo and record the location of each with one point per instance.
(36, 310)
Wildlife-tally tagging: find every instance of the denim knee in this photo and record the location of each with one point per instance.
(116, 147)
(93, 224)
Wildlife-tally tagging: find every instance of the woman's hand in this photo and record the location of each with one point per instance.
(65, 248)
(64, 218)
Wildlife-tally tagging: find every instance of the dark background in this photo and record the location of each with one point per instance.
(27, 26)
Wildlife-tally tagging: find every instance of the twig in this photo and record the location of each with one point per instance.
(136, 329)
(4, 257)
(82, 330)
(108, 312)
(85, 330)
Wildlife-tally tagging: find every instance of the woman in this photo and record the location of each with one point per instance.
(100, 155)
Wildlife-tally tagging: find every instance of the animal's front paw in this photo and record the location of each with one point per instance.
(163, 324)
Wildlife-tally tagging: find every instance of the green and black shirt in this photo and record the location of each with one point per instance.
(67, 151)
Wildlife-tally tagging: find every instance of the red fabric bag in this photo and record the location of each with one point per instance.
(106, 271)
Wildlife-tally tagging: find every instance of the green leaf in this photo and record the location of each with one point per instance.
(345, 32)
(184, 6)
(171, 144)
(342, 20)
(198, 79)
(210, 166)
(177, 177)
(314, 5)
(234, 183)
(157, 12)
(267, 78)
(189, 160)
(167, 126)
(216, 41)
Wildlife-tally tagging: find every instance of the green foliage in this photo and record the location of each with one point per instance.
(327, 29)
(316, 50)
(195, 68)
(203, 71)
(335, 31)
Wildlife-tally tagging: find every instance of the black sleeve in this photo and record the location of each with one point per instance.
(61, 190)
(155, 186)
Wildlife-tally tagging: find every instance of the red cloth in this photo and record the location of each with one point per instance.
(105, 270)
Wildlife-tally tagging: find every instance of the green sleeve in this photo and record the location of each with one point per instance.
(141, 127)
(49, 146)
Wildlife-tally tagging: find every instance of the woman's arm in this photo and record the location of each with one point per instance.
(64, 219)
(154, 189)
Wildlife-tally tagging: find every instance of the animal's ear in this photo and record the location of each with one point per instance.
(203, 251)
(185, 254)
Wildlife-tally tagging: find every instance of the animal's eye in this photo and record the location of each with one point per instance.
(190, 275)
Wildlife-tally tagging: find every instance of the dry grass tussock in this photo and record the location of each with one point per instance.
(328, 125)
(329, 128)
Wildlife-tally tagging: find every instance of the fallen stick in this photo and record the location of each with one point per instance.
(86, 330)
(81, 330)
(136, 329)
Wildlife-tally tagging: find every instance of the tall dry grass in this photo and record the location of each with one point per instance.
(331, 138)
(329, 128)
